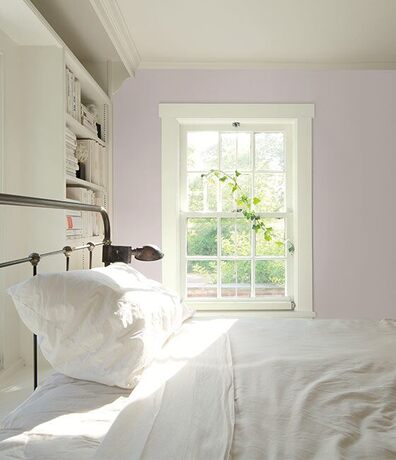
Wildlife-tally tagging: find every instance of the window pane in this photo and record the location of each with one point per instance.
(275, 247)
(270, 188)
(201, 237)
(235, 278)
(235, 237)
(269, 151)
(270, 277)
(228, 151)
(243, 151)
(202, 193)
(228, 198)
(235, 151)
(201, 278)
(202, 150)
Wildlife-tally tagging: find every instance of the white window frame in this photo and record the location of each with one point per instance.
(298, 117)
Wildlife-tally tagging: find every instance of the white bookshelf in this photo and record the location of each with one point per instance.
(81, 131)
(32, 102)
(91, 93)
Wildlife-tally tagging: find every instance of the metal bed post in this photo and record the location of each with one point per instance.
(91, 247)
(34, 260)
(67, 250)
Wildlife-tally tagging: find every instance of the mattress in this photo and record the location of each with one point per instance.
(227, 388)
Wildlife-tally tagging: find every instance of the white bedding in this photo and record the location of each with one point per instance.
(244, 389)
(64, 418)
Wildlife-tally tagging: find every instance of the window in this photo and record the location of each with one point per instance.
(213, 256)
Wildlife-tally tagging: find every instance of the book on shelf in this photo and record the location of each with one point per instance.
(71, 163)
(74, 224)
(95, 164)
(73, 95)
(88, 120)
(91, 223)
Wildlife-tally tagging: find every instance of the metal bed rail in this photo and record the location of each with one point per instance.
(34, 258)
(110, 253)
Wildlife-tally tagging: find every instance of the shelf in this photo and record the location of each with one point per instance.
(81, 131)
(84, 183)
(81, 240)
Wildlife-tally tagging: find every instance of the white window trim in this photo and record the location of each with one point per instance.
(173, 117)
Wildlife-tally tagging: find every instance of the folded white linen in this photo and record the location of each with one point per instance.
(183, 408)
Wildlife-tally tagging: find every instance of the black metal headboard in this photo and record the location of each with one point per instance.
(110, 253)
(34, 258)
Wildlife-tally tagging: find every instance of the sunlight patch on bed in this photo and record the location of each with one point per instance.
(186, 345)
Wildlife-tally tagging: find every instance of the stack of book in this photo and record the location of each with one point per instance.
(74, 224)
(90, 223)
(73, 95)
(70, 147)
(88, 119)
(96, 160)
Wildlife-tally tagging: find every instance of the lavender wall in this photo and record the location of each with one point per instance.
(354, 164)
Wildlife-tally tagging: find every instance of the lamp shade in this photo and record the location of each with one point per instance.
(147, 253)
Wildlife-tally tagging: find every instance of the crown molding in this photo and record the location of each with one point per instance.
(264, 65)
(112, 19)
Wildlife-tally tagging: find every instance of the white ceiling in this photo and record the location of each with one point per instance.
(257, 33)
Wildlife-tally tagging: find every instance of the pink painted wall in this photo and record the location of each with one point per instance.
(354, 167)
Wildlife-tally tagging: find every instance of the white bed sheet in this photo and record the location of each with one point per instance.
(301, 390)
(226, 388)
(64, 418)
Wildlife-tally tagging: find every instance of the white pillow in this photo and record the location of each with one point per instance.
(105, 325)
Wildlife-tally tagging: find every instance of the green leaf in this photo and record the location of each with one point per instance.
(256, 200)
(223, 179)
(237, 173)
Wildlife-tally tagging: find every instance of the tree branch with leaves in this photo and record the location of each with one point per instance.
(245, 204)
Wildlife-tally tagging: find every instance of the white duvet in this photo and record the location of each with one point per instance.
(252, 389)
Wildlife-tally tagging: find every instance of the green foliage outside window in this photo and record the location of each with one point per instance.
(202, 240)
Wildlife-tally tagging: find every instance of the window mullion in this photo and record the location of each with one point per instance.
(218, 257)
(252, 232)
(219, 208)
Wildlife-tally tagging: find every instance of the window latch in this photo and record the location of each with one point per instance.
(290, 247)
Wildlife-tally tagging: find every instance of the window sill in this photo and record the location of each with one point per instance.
(255, 314)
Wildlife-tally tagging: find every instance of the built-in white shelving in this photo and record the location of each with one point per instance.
(81, 131)
(33, 59)
(98, 181)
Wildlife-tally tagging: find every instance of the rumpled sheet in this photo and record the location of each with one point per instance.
(240, 389)
(299, 390)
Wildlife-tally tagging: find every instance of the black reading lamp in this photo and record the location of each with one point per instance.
(147, 253)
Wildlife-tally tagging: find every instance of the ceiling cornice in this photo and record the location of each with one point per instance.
(257, 65)
(113, 21)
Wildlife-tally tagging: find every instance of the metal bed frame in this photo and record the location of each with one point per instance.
(110, 253)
